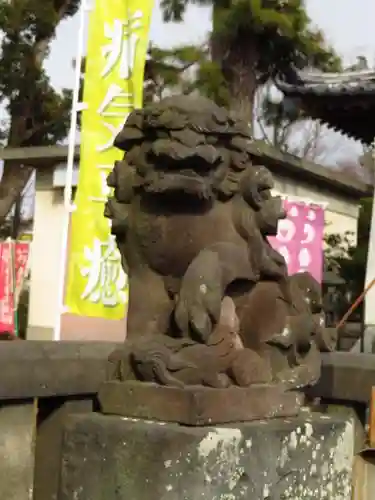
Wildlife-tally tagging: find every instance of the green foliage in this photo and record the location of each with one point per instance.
(210, 82)
(38, 114)
(254, 40)
(166, 69)
(183, 69)
(349, 260)
(278, 31)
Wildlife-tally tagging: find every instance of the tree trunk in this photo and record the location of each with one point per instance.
(238, 60)
(242, 83)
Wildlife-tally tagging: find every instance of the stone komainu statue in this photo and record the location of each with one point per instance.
(210, 301)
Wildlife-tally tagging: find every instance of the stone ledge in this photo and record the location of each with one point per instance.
(346, 376)
(32, 369)
(197, 405)
(41, 369)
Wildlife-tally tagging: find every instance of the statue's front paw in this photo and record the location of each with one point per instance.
(198, 309)
(113, 368)
(118, 365)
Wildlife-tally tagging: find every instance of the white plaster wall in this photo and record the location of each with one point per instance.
(45, 257)
(45, 285)
(341, 223)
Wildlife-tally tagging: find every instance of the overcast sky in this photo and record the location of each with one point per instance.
(347, 24)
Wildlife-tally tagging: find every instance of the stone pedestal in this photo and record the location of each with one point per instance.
(198, 405)
(17, 440)
(115, 458)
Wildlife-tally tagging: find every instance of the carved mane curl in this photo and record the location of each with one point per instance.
(182, 136)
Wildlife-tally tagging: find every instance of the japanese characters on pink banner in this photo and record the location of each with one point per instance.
(9, 291)
(6, 289)
(300, 238)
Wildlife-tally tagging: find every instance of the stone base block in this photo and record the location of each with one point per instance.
(197, 405)
(114, 458)
(17, 440)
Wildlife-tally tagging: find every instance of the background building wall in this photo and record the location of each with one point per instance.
(45, 280)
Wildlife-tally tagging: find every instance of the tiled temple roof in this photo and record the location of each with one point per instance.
(344, 101)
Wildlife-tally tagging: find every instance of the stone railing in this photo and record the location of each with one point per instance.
(43, 382)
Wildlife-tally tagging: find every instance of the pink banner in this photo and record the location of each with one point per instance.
(9, 253)
(21, 258)
(6, 289)
(300, 238)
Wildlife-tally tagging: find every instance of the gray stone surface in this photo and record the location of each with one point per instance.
(369, 339)
(33, 369)
(114, 458)
(346, 376)
(197, 405)
(52, 415)
(17, 438)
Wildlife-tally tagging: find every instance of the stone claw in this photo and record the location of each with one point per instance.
(197, 311)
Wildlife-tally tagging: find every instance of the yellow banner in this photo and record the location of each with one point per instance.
(113, 87)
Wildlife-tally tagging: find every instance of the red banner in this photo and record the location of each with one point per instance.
(13, 267)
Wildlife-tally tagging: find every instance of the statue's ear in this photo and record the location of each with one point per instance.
(228, 315)
(252, 195)
(255, 183)
(250, 190)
